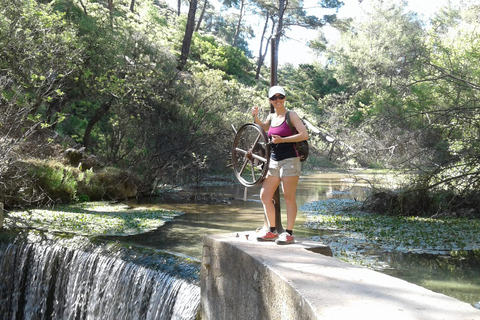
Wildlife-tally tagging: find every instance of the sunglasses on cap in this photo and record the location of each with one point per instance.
(280, 96)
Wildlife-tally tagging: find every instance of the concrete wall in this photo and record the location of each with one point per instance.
(245, 279)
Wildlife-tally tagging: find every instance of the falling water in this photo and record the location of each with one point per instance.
(39, 281)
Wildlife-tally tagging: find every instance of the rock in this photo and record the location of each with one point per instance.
(78, 158)
(90, 162)
(74, 156)
(477, 305)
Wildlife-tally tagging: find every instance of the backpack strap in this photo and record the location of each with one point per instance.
(287, 117)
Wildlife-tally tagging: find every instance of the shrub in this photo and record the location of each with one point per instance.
(45, 183)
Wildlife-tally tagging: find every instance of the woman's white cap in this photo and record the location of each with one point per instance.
(274, 90)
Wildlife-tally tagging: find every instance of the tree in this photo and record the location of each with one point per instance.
(217, 55)
(452, 70)
(222, 27)
(285, 14)
(262, 51)
(202, 14)
(241, 6)
(308, 84)
(377, 59)
(187, 39)
(39, 58)
(412, 98)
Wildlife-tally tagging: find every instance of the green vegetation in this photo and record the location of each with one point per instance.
(353, 232)
(50, 182)
(92, 219)
(153, 94)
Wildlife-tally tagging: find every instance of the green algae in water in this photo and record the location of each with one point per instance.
(403, 234)
(92, 219)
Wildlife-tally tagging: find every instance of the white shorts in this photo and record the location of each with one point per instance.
(290, 167)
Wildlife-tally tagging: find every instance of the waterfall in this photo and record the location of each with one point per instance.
(39, 281)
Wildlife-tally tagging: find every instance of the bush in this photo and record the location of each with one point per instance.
(59, 183)
(421, 202)
(109, 184)
(45, 183)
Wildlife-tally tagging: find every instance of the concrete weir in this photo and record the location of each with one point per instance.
(245, 279)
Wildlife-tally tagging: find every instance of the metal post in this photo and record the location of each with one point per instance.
(273, 69)
(1, 215)
(273, 82)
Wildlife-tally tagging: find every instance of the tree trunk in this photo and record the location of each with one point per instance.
(279, 29)
(239, 23)
(200, 19)
(84, 8)
(187, 39)
(132, 6)
(179, 5)
(262, 52)
(96, 117)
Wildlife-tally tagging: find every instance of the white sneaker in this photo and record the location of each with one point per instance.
(285, 238)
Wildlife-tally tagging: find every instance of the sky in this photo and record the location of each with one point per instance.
(295, 49)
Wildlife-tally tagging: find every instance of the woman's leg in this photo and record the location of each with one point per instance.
(289, 187)
(269, 186)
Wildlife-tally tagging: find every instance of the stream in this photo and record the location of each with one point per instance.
(227, 209)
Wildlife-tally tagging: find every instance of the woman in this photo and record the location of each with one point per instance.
(284, 165)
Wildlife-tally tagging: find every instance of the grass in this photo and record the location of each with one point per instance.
(92, 219)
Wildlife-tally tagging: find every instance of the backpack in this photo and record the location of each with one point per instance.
(301, 146)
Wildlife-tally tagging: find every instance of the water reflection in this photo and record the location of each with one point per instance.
(235, 211)
(456, 275)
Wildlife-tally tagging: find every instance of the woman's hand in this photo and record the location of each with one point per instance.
(265, 125)
(255, 111)
(276, 138)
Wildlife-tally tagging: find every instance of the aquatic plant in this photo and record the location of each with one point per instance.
(93, 218)
(352, 232)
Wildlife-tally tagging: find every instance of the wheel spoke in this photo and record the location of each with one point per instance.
(244, 165)
(256, 141)
(244, 152)
(259, 158)
(253, 171)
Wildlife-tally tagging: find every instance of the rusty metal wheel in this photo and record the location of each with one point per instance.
(250, 154)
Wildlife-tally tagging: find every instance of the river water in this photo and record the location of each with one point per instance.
(225, 209)
(231, 209)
